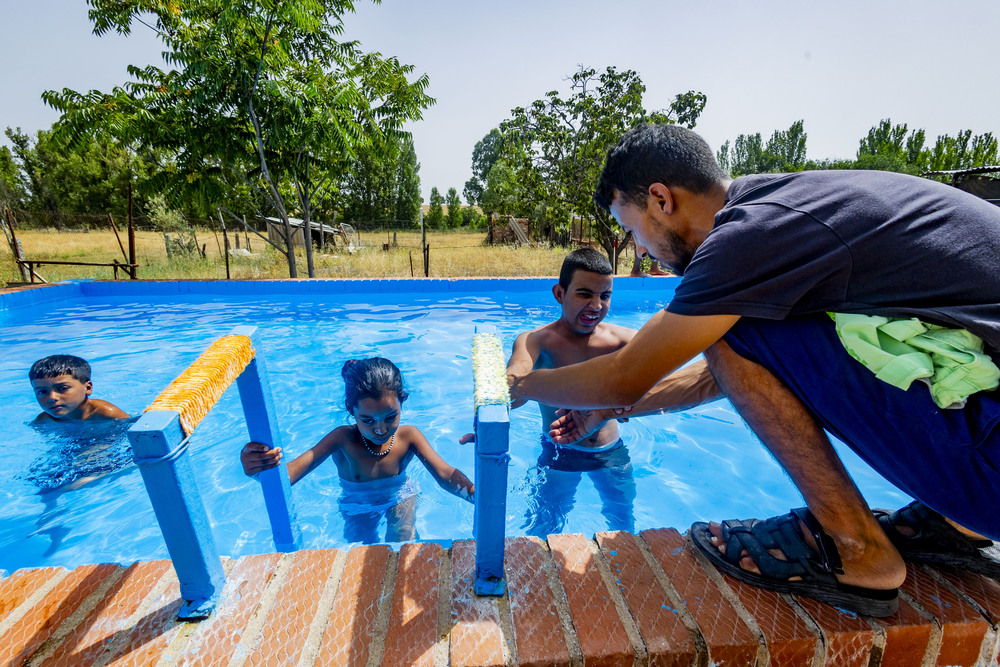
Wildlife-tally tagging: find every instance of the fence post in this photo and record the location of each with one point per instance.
(262, 425)
(492, 444)
(131, 236)
(159, 449)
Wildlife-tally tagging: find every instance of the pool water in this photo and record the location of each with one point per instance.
(699, 465)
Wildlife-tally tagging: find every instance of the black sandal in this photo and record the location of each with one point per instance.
(935, 541)
(817, 569)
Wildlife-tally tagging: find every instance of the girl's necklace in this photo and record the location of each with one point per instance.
(368, 445)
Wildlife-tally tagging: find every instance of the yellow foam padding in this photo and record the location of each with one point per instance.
(489, 371)
(198, 389)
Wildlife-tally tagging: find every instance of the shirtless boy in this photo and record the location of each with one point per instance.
(62, 387)
(580, 333)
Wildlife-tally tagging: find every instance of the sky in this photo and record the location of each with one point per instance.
(841, 67)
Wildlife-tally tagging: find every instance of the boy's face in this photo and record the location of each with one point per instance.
(378, 418)
(62, 396)
(585, 302)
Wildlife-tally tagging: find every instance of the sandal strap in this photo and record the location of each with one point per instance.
(931, 529)
(783, 533)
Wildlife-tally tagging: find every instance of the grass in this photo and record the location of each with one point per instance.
(452, 255)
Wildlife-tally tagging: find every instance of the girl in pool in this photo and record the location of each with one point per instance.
(371, 456)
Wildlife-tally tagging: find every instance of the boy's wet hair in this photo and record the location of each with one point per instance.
(60, 364)
(647, 154)
(584, 259)
(371, 378)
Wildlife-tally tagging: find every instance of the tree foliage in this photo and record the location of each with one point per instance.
(260, 99)
(784, 151)
(454, 205)
(44, 174)
(553, 150)
(382, 184)
(435, 213)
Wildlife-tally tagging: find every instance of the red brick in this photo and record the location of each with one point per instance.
(985, 591)
(348, 636)
(476, 636)
(667, 639)
(21, 585)
(599, 629)
(44, 618)
(217, 637)
(849, 638)
(907, 637)
(291, 615)
(963, 629)
(538, 631)
(729, 639)
(87, 642)
(413, 619)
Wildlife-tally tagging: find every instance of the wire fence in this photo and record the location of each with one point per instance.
(46, 246)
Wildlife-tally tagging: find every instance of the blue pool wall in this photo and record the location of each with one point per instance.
(66, 291)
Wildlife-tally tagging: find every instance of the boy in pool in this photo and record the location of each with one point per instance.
(371, 456)
(62, 387)
(580, 333)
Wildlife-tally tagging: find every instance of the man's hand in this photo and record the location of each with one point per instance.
(574, 425)
(256, 457)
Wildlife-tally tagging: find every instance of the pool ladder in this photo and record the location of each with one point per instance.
(160, 440)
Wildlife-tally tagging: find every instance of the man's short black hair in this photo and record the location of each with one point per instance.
(60, 364)
(647, 154)
(585, 259)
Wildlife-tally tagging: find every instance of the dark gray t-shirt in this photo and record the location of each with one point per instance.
(870, 242)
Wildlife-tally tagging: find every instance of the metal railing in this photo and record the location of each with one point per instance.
(160, 439)
(159, 442)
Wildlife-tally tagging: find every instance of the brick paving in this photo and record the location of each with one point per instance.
(616, 599)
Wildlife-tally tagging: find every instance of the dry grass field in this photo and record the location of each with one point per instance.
(452, 255)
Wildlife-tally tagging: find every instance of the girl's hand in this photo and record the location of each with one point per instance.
(256, 457)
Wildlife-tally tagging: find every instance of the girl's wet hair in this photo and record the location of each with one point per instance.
(371, 378)
(60, 364)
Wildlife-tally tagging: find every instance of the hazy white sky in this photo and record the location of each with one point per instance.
(840, 66)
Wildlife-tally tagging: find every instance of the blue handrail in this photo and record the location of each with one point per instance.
(159, 447)
(492, 422)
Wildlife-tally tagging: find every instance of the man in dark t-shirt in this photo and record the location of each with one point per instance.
(763, 258)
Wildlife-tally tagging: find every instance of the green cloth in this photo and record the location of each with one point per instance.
(900, 351)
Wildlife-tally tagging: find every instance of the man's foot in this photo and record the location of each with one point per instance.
(923, 536)
(792, 554)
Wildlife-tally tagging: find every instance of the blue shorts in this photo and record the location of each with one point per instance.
(949, 459)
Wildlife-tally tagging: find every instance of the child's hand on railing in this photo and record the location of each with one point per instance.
(467, 438)
(256, 457)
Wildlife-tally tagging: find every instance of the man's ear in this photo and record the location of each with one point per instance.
(661, 198)
(89, 386)
(558, 292)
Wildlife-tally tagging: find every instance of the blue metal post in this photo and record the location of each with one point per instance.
(262, 425)
(492, 446)
(159, 448)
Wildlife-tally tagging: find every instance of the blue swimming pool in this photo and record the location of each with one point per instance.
(703, 464)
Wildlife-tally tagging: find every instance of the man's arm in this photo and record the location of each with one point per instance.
(684, 388)
(522, 359)
(623, 378)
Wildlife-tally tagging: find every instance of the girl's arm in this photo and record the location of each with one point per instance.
(256, 457)
(451, 479)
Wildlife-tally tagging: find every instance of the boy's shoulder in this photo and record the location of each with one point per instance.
(104, 410)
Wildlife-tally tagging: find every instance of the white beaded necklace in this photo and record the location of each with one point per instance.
(368, 445)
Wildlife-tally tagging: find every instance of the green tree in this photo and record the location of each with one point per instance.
(408, 199)
(486, 152)
(785, 151)
(381, 184)
(12, 191)
(558, 144)
(454, 205)
(261, 100)
(90, 177)
(435, 214)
